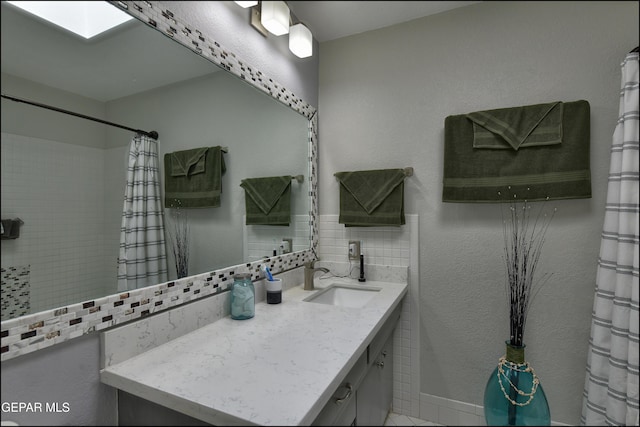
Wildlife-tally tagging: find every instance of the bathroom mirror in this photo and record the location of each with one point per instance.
(64, 176)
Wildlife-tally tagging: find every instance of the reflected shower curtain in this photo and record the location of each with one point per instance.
(143, 259)
(611, 384)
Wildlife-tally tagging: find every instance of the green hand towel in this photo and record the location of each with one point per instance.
(372, 198)
(558, 171)
(518, 127)
(193, 187)
(267, 200)
(188, 162)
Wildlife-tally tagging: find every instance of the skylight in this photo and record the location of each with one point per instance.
(85, 18)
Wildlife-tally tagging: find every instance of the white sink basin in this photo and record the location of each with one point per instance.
(344, 295)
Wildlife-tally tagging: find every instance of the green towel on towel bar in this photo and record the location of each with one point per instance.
(372, 198)
(188, 162)
(193, 178)
(519, 127)
(543, 170)
(267, 200)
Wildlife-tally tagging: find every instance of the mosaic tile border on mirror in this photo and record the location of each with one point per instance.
(33, 332)
(193, 39)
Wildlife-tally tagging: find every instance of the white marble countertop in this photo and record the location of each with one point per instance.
(278, 368)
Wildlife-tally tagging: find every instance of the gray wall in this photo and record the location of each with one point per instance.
(68, 372)
(27, 120)
(63, 374)
(383, 99)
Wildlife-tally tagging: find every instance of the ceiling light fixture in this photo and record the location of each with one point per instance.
(84, 18)
(300, 41)
(274, 16)
(246, 4)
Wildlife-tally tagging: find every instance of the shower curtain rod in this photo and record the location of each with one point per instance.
(153, 134)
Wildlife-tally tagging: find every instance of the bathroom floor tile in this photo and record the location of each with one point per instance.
(405, 420)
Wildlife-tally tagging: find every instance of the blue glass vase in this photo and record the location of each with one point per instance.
(513, 395)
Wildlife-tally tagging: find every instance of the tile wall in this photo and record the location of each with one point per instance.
(380, 245)
(261, 240)
(63, 236)
(385, 246)
(15, 290)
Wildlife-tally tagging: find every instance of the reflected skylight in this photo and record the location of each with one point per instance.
(85, 18)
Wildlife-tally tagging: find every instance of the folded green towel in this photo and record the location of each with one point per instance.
(557, 171)
(188, 162)
(518, 127)
(372, 198)
(197, 182)
(267, 200)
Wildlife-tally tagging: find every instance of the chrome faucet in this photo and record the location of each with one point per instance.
(309, 272)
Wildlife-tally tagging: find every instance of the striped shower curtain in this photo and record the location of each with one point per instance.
(143, 260)
(611, 384)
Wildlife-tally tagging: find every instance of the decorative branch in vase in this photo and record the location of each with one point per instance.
(179, 236)
(523, 243)
(513, 385)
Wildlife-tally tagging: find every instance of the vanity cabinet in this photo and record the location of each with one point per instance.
(340, 410)
(189, 376)
(136, 411)
(365, 395)
(375, 394)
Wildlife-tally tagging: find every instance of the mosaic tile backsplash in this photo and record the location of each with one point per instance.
(40, 330)
(15, 291)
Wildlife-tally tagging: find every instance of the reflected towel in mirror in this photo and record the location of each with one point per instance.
(198, 179)
(267, 200)
(188, 162)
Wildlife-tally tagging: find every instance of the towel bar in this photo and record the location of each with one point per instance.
(224, 149)
(298, 178)
(408, 171)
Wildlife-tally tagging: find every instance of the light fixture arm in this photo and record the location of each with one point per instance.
(255, 20)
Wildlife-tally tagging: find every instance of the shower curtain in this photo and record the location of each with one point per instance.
(143, 259)
(611, 384)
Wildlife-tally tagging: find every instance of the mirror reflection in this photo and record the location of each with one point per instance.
(64, 177)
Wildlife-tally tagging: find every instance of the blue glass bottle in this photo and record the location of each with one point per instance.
(243, 297)
(503, 405)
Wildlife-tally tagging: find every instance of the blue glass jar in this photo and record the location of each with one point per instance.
(243, 297)
(513, 395)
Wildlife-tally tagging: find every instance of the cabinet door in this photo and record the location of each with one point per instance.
(341, 408)
(375, 394)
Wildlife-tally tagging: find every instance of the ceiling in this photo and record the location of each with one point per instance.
(330, 20)
(107, 67)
